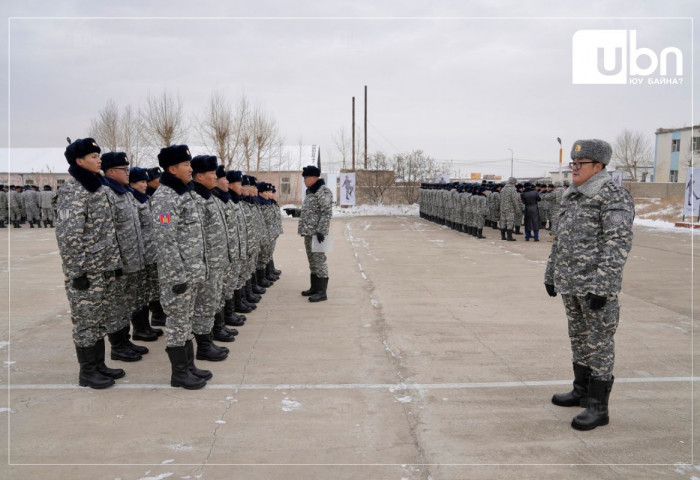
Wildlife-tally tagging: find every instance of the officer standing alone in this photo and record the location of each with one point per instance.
(593, 239)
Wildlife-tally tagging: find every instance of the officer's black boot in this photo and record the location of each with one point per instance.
(146, 313)
(219, 331)
(254, 286)
(230, 317)
(238, 304)
(577, 396)
(475, 232)
(197, 372)
(312, 289)
(207, 350)
(503, 234)
(2, 224)
(260, 278)
(181, 375)
(158, 316)
(480, 233)
(141, 350)
(510, 236)
(320, 295)
(120, 348)
(517, 230)
(269, 272)
(274, 270)
(596, 413)
(89, 375)
(141, 327)
(251, 296)
(101, 367)
(51, 223)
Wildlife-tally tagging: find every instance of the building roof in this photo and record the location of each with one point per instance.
(669, 130)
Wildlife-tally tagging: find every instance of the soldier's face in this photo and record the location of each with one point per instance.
(140, 186)
(222, 183)
(90, 162)
(208, 179)
(585, 171)
(309, 181)
(155, 183)
(182, 171)
(237, 187)
(119, 174)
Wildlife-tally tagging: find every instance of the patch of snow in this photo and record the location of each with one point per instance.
(3, 410)
(221, 422)
(289, 405)
(180, 447)
(374, 302)
(404, 399)
(377, 210)
(165, 462)
(3, 345)
(158, 477)
(662, 225)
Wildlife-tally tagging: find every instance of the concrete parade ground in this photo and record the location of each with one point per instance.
(435, 357)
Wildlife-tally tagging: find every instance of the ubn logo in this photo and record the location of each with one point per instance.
(612, 57)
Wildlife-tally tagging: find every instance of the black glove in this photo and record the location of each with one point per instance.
(321, 237)
(596, 302)
(180, 288)
(550, 290)
(289, 211)
(118, 272)
(81, 282)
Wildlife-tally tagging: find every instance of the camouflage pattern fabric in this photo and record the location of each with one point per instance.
(481, 209)
(317, 260)
(316, 213)
(15, 205)
(494, 206)
(508, 205)
(3, 206)
(31, 205)
(46, 199)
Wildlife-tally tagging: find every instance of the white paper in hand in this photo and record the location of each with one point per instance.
(326, 246)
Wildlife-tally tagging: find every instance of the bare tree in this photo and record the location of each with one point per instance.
(378, 177)
(264, 133)
(412, 169)
(105, 128)
(342, 143)
(217, 129)
(632, 151)
(164, 120)
(131, 140)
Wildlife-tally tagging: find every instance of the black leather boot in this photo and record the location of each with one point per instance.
(141, 350)
(2, 224)
(503, 233)
(197, 372)
(250, 296)
(181, 376)
(89, 375)
(207, 350)
(320, 295)
(274, 270)
(230, 317)
(269, 274)
(158, 316)
(31, 224)
(219, 331)
(141, 327)
(101, 367)
(510, 236)
(254, 286)
(596, 412)
(260, 278)
(312, 289)
(517, 230)
(120, 348)
(480, 233)
(577, 396)
(238, 304)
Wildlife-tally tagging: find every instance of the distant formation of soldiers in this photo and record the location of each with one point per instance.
(20, 205)
(188, 244)
(469, 207)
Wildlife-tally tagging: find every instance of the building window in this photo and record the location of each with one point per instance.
(696, 144)
(673, 176)
(29, 181)
(60, 181)
(285, 185)
(676, 145)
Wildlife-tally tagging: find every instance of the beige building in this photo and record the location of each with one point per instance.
(673, 153)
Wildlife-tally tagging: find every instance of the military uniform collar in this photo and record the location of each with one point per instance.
(314, 188)
(117, 187)
(91, 181)
(173, 182)
(591, 187)
(201, 190)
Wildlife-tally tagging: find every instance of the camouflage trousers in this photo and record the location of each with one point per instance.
(252, 263)
(152, 285)
(179, 309)
(208, 301)
(141, 290)
(241, 265)
(479, 221)
(592, 334)
(317, 260)
(3, 214)
(123, 305)
(33, 213)
(553, 222)
(507, 220)
(88, 308)
(47, 214)
(232, 281)
(265, 254)
(15, 214)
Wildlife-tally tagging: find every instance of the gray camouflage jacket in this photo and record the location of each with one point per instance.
(317, 210)
(128, 226)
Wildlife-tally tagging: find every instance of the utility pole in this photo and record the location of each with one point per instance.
(511, 161)
(365, 127)
(560, 157)
(353, 134)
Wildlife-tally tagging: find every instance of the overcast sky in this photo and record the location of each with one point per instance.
(464, 90)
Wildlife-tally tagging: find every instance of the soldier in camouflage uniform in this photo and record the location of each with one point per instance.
(508, 205)
(520, 211)
(3, 206)
(128, 227)
(207, 314)
(89, 251)
(46, 198)
(555, 205)
(270, 213)
(15, 200)
(593, 239)
(494, 205)
(261, 203)
(315, 219)
(147, 288)
(237, 281)
(158, 316)
(181, 264)
(31, 206)
(276, 232)
(256, 229)
(480, 209)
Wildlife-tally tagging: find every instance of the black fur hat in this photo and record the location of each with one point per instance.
(234, 176)
(311, 171)
(113, 159)
(203, 163)
(138, 174)
(80, 148)
(173, 155)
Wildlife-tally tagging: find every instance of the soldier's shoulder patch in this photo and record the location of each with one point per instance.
(617, 217)
(63, 213)
(164, 219)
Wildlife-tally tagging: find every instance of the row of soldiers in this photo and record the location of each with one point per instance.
(191, 245)
(469, 207)
(19, 205)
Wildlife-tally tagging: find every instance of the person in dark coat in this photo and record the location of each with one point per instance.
(531, 198)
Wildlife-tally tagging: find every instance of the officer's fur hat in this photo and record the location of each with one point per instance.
(311, 171)
(173, 155)
(234, 176)
(512, 180)
(138, 174)
(594, 149)
(220, 172)
(80, 148)
(203, 163)
(153, 173)
(113, 159)
(263, 187)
